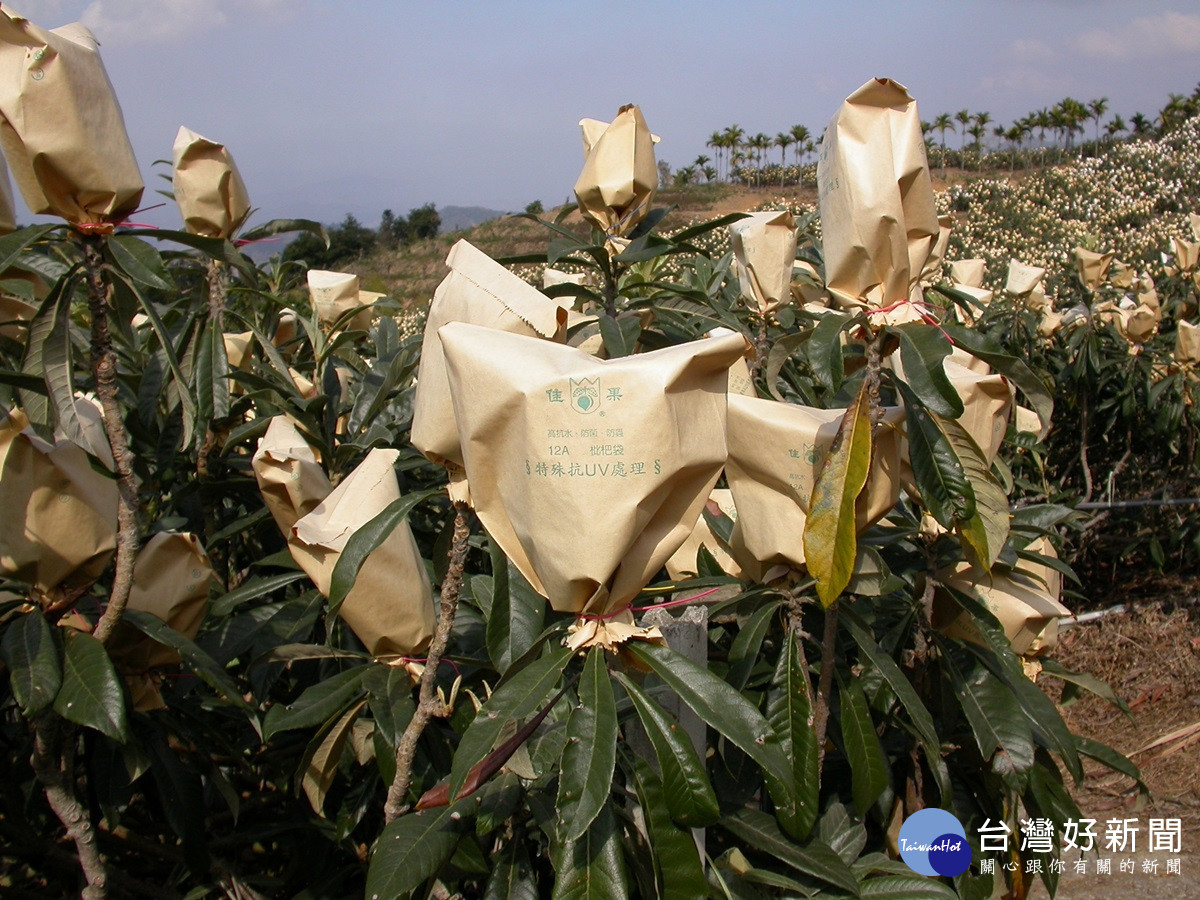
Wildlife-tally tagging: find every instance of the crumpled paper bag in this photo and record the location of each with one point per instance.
(876, 197)
(931, 272)
(208, 188)
(15, 314)
(968, 272)
(481, 291)
(776, 451)
(588, 473)
(1092, 268)
(8, 215)
(59, 527)
(1139, 324)
(764, 251)
(552, 277)
(619, 177)
(61, 127)
(171, 576)
(390, 607)
(1025, 600)
(740, 379)
(1187, 344)
(291, 480)
(682, 564)
(334, 294)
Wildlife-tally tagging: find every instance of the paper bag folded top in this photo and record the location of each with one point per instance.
(968, 272)
(1187, 344)
(291, 480)
(1092, 268)
(481, 291)
(588, 473)
(59, 527)
(619, 177)
(208, 188)
(764, 252)
(390, 607)
(776, 451)
(876, 197)
(334, 294)
(60, 125)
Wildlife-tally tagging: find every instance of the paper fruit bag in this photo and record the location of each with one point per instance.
(682, 563)
(291, 480)
(59, 527)
(208, 188)
(876, 197)
(481, 291)
(588, 473)
(334, 294)
(619, 177)
(8, 215)
(60, 125)
(1187, 344)
(764, 251)
(390, 607)
(1092, 268)
(171, 577)
(776, 452)
(1025, 600)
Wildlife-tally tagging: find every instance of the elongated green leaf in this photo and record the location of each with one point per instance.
(58, 365)
(321, 760)
(759, 833)
(906, 887)
(620, 334)
(513, 877)
(987, 530)
(1118, 762)
(211, 375)
(790, 712)
(945, 490)
(91, 694)
(689, 795)
(35, 673)
(13, 245)
(744, 651)
(513, 700)
(214, 248)
(318, 704)
(205, 667)
(365, 540)
(252, 589)
(825, 352)
(517, 615)
(37, 404)
(285, 226)
(588, 760)
(868, 767)
(986, 348)
(923, 350)
(830, 533)
(180, 794)
(411, 849)
(678, 871)
(593, 867)
(139, 261)
(1088, 682)
(165, 343)
(781, 351)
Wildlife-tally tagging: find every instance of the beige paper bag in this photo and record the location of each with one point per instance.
(334, 294)
(208, 188)
(14, 316)
(390, 607)
(1050, 323)
(682, 564)
(588, 473)
(967, 272)
(61, 127)
(291, 480)
(1092, 268)
(1187, 253)
(1121, 275)
(552, 277)
(776, 451)
(8, 215)
(1025, 600)
(876, 197)
(239, 348)
(931, 272)
(764, 251)
(1138, 325)
(59, 527)
(1025, 419)
(968, 361)
(171, 577)
(619, 177)
(1187, 344)
(807, 286)
(481, 291)
(740, 379)
(1022, 279)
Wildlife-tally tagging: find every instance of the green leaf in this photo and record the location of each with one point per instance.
(513, 700)
(744, 651)
(1088, 682)
(35, 673)
(323, 757)
(1118, 762)
(38, 405)
(790, 713)
(139, 261)
(620, 334)
(830, 533)
(413, 848)
(986, 348)
(923, 349)
(214, 248)
(593, 867)
(13, 245)
(318, 704)
(365, 540)
(252, 589)
(945, 490)
(211, 375)
(868, 767)
(517, 615)
(905, 887)
(781, 351)
(985, 532)
(205, 667)
(588, 760)
(58, 366)
(759, 833)
(825, 352)
(726, 710)
(678, 871)
(91, 694)
(513, 877)
(689, 795)
(285, 226)
(165, 342)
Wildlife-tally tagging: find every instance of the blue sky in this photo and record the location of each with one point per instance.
(358, 106)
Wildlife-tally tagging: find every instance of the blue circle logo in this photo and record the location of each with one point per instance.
(933, 842)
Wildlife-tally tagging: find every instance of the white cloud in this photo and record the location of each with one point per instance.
(1026, 50)
(155, 21)
(1167, 34)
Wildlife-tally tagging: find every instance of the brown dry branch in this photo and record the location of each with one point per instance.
(430, 705)
(825, 681)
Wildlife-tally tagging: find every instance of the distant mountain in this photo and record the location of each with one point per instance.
(457, 218)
